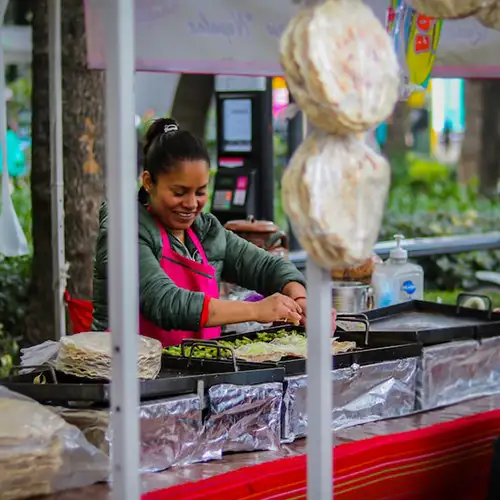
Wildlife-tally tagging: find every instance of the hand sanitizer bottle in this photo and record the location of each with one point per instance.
(396, 280)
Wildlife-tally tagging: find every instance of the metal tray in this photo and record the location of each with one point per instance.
(434, 323)
(178, 376)
(371, 348)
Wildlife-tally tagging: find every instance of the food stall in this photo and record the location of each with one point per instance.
(213, 399)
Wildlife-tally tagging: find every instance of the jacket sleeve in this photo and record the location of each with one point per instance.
(255, 269)
(161, 300)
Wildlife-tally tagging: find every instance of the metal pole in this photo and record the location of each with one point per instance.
(56, 167)
(295, 135)
(319, 383)
(121, 170)
(266, 170)
(3, 103)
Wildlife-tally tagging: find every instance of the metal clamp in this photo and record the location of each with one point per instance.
(35, 369)
(362, 319)
(464, 295)
(194, 343)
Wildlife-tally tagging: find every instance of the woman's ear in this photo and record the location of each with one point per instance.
(147, 181)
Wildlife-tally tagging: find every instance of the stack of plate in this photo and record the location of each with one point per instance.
(88, 355)
(30, 449)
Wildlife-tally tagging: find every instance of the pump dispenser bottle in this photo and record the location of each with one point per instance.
(396, 280)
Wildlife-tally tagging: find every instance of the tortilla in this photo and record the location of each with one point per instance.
(449, 9)
(334, 193)
(88, 355)
(341, 66)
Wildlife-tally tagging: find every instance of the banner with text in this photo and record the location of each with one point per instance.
(240, 37)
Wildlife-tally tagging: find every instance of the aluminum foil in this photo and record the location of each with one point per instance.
(171, 432)
(244, 418)
(361, 394)
(456, 371)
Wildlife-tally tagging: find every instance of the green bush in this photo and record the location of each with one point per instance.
(432, 204)
(15, 275)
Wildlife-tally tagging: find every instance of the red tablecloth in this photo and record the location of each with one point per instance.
(445, 461)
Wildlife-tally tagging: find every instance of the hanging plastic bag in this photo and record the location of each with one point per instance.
(334, 193)
(396, 25)
(340, 66)
(12, 239)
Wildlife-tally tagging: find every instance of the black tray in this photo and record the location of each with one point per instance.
(434, 323)
(371, 348)
(178, 376)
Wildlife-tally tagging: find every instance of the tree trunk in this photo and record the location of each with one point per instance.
(40, 316)
(83, 118)
(83, 129)
(489, 166)
(396, 129)
(192, 102)
(471, 145)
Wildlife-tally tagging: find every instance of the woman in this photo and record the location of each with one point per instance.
(184, 254)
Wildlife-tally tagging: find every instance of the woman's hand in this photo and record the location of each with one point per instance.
(277, 307)
(303, 304)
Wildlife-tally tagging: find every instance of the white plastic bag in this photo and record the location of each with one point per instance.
(334, 193)
(40, 453)
(449, 9)
(12, 239)
(341, 66)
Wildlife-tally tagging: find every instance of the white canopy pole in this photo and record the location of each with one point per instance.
(56, 167)
(319, 383)
(121, 184)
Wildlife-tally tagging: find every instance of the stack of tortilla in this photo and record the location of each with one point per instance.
(334, 193)
(449, 9)
(290, 346)
(341, 66)
(88, 355)
(30, 449)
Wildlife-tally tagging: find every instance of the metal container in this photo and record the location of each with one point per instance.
(351, 297)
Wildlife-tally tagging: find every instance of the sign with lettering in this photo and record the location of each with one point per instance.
(241, 37)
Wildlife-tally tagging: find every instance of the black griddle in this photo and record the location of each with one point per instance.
(371, 348)
(432, 323)
(179, 375)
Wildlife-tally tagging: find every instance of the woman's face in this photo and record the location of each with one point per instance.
(179, 196)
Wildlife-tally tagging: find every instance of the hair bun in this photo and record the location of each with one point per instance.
(156, 129)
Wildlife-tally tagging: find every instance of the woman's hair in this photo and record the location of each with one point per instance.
(166, 145)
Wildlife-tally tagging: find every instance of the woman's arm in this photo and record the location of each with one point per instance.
(274, 308)
(255, 269)
(173, 308)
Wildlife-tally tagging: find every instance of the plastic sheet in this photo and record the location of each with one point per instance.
(40, 453)
(245, 418)
(449, 9)
(362, 394)
(340, 176)
(171, 432)
(236, 292)
(457, 371)
(340, 66)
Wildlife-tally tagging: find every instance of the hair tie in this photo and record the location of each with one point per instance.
(171, 127)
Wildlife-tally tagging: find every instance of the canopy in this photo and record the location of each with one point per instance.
(240, 37)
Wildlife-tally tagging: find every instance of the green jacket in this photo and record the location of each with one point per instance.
(173, 308)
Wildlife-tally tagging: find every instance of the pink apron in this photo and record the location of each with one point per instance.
(187, 274)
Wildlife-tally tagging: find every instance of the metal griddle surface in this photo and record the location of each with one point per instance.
(420, 321)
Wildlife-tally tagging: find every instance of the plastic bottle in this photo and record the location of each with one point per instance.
(396, 280)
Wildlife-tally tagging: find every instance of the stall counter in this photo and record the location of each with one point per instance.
(480, 416)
